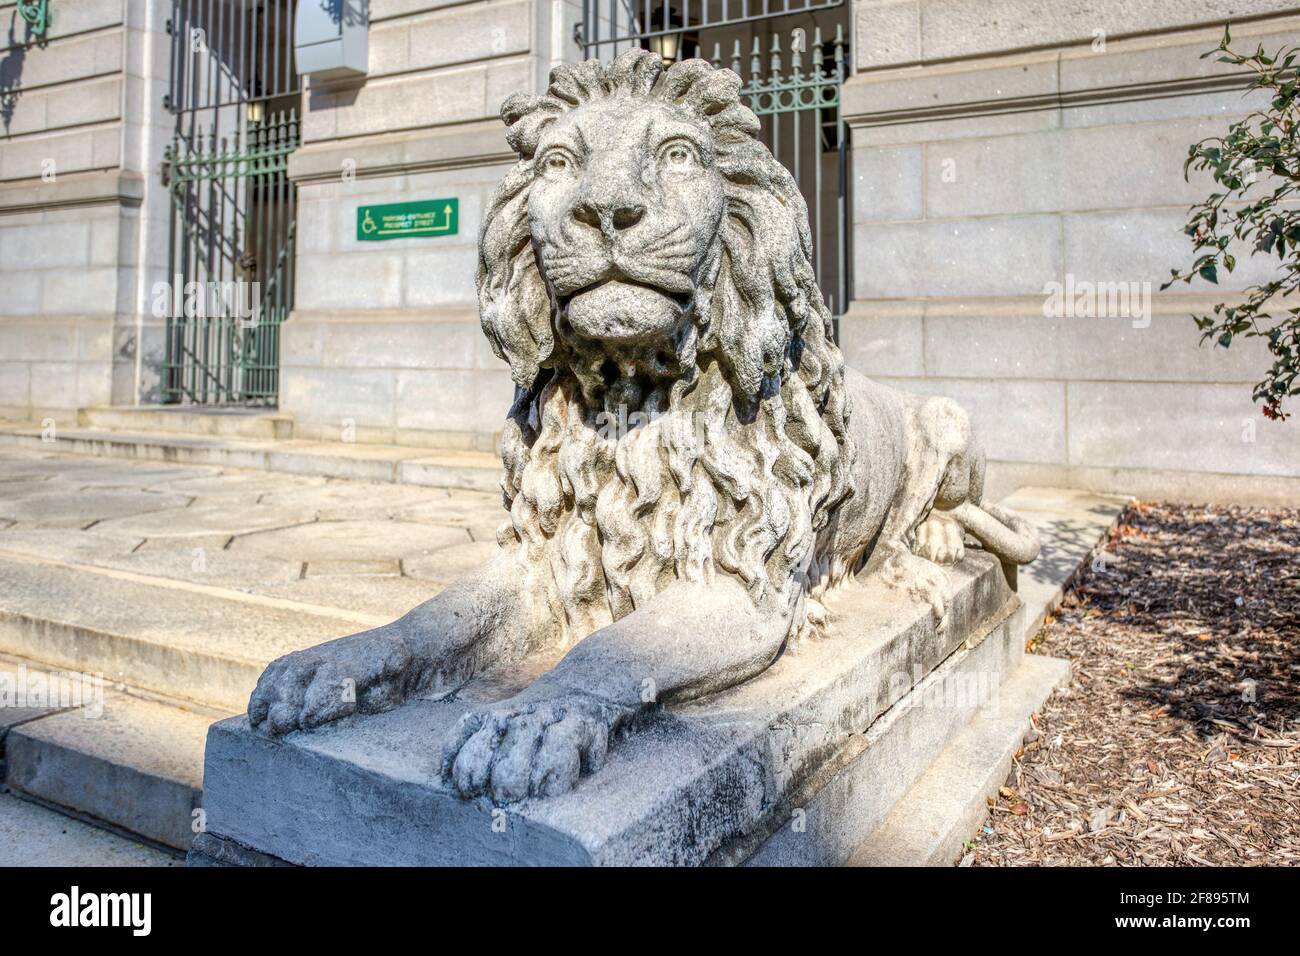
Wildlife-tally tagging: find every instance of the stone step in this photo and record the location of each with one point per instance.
(195, 642)
(182, 419)
(900, 747)
(131, 763)
(840, 808)
(479, 471)
(97, 753)
(946, 806)
(33, 835)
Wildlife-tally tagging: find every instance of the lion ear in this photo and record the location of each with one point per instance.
(526, 117)
(514, 305)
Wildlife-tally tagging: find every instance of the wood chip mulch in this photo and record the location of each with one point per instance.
(1178, 742)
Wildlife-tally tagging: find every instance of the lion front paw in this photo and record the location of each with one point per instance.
(366, 673)
(921, 579)
(538, 749)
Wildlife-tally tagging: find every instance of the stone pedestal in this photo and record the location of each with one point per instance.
(799, 766)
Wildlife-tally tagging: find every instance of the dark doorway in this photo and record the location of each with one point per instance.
(236, 98)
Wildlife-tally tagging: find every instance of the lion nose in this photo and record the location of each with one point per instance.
(608, 217)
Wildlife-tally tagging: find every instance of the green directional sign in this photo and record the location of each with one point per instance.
(408, 220)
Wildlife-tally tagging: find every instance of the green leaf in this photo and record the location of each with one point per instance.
(1260, 154)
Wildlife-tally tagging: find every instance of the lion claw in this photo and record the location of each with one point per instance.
(366, 673)
(920, 579)
(534, 749)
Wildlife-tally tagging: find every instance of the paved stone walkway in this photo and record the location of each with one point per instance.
(212, 571)
(367, 548)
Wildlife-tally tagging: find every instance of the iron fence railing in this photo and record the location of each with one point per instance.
(232, 256)
(795, 91)
(235, 93)
(230, 52)
(611, 26)
(799, 108)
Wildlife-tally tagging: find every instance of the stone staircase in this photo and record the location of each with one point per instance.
(188, 642)
(238, 438)
(137, 767)
(177, 655)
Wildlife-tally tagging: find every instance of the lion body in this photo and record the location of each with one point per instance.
(688, 464)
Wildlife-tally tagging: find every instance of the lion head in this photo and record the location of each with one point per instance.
(645, 270)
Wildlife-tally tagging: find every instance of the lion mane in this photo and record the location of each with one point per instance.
(738, 464)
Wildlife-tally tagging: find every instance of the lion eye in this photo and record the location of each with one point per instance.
(556, 161)
(677, 155)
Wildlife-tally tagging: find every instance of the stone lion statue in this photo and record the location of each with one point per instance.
(688, 464)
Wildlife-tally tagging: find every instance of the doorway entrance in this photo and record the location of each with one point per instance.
(236, 99)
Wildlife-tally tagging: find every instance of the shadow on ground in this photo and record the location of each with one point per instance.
(1222, 588)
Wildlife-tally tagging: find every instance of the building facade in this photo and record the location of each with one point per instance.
(1004, 149)
(976, 169)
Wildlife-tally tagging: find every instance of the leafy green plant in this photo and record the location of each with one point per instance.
(1261, 151)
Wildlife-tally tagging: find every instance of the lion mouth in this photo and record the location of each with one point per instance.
(624, 311)
(615, 275)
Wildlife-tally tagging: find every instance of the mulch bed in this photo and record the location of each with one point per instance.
(1178, 742)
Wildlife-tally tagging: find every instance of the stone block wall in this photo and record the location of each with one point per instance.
(1002, 147)
(998, 146)
(384, 342)
(82, 230)
(385, 338)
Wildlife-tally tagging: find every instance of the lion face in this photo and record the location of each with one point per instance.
(624, 213)
(644, 230)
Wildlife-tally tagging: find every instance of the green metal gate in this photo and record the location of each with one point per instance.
(235, 96)
(793, 58)
(800, 113)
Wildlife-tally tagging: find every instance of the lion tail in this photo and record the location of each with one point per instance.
(1001, 532)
